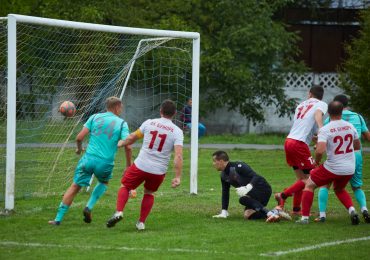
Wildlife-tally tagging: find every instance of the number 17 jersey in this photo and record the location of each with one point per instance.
(160, 136)
(304, 119)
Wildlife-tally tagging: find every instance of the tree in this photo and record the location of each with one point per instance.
(357, 67)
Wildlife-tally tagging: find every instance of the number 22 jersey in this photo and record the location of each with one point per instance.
(339, 136)
(160, 136)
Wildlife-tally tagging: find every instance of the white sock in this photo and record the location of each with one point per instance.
(363, 209)
(305, 217)
(118, 214)
(351, 209)
(323, 214)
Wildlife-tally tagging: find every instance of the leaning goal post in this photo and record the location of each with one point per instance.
(47, 61)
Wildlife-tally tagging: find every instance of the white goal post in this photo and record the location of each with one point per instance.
(156, 39)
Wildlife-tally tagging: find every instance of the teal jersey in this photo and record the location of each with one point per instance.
(355, 119)
(106, 129)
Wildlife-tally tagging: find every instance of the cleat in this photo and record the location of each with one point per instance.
(87, 215)
(279, 200)
(273, 218)
(113, 221)
(302, 221)
(366, 216)
(54, 223)
(354, 218)
(140, 226)
(320, 219)
(284, 215)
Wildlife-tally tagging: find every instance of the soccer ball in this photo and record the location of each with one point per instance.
(67, 109)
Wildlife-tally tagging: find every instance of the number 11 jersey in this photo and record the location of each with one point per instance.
(160, 136)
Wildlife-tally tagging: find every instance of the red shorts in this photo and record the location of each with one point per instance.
(298, 154)
(321, 176)
(133, 177)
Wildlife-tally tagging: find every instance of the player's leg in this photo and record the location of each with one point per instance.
(151, 185)
(323, 202)
(132, 178)
(65, 203)
(201, 130)
(356, 183)
(339, 185)
(255, 205)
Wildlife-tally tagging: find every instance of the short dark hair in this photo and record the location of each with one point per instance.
(168, 108)
(342, 99)
(112, 102)
(317, 91)
(335, 108)
(221, 155)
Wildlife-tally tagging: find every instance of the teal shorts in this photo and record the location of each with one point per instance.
(356, 180)
(89, 165)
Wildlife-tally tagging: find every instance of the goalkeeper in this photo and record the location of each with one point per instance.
(254, 191)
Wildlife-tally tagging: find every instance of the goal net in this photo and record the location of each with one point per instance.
(83, 63)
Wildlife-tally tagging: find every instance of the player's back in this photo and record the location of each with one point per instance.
(304, 119)
(106, 129)
(160, 136)
(339, 136)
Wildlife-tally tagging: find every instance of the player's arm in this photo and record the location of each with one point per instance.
(320, 150)
(79, 139)
(366, 136)
(128, 155)
(356, 144)
(178, 161)
(131, 138)
(225, 200)
(318, 118)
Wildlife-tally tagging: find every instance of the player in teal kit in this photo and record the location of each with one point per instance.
(105, 129)
(356, 182)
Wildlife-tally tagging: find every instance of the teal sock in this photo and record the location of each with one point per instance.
(96, 194)
(323, 199)
(360, 197)
(62, 210)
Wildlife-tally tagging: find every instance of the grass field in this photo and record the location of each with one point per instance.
(181, 225)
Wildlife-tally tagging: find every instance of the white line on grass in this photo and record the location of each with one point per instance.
(313, 247)
(123, 248)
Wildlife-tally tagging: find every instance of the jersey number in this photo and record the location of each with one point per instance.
(161, 143)
(108, 131)
(303, 110)
(347, 138)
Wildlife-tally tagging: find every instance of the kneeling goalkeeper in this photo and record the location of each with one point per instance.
(254, 191)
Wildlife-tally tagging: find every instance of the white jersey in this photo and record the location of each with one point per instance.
(339, 136)
(160, 136)
(304, 124)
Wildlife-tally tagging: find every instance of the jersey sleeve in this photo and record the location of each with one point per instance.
(323, 107)
(179, 138)
(364, 128)
(323, 135)
(355, 134)
(125, 131)
(89, 122)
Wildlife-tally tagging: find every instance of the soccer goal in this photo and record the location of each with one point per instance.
(44, 62)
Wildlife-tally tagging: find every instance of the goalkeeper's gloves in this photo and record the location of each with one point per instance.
(243, 190)
(223, 214)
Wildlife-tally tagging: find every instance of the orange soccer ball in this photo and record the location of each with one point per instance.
(67, 108)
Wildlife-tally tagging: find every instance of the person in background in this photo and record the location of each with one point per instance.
(186, 118)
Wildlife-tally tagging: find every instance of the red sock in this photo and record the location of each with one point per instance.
(122, 198)
(296, 187)
(146, 206)
(297, 198)
(345, 198)
(307, 199)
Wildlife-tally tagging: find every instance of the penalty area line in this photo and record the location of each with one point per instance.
(120, 248)
(317, 246)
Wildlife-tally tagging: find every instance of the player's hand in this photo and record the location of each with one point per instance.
(175, 182)
(223, 214)
(243, 190)
(120, 143)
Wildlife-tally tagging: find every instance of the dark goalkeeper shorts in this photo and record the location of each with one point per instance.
(261, 193)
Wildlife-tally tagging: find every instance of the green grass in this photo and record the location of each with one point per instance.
(180, 225)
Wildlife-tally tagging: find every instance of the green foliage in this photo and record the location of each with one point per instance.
(245, 54)
(357, 67)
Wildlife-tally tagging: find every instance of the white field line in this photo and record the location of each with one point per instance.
(123, 248)
(313, 247)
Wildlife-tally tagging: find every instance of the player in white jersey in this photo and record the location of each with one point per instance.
(340, 140)
(307, 119)
(161, 136)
